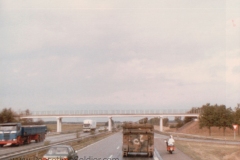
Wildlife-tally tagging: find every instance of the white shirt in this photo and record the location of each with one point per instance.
(171, 141)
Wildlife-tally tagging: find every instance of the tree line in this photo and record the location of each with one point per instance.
(219, 116)
(7, 115)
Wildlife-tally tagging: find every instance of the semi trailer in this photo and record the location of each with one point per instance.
(17, 134)
(89, 125)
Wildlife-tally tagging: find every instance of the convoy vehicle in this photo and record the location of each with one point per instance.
(170, 148)
(170, 144)
(102, 129)
(61, 152)
(16, 134)
(89, 125)
(138, 138)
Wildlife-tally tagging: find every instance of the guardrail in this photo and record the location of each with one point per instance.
(114, 112)
(21, 153)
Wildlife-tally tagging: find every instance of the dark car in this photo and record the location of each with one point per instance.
(63, 152)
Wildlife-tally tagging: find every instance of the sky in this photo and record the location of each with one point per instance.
(119, 55)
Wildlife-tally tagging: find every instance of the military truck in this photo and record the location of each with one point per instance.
(138, 138)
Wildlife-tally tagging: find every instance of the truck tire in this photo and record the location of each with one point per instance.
(76, 158)
(28, 140)
(43, 137)
(125, 154)
(150, 154)
(38, 139)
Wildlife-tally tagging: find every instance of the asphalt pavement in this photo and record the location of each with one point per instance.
(110, 148)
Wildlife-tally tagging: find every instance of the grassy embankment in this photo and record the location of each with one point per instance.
(208, 151)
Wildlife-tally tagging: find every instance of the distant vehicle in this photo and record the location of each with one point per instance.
(102, 129)
(138, 138)
(16, 134)
(63, 152)
(89, 125)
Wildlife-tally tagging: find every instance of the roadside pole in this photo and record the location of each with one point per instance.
(234, 127)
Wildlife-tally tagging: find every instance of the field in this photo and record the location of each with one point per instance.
(68, 127)
(208, 151)
(65, 127)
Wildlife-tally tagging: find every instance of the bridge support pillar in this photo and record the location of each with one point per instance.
(110, 124)
(59, 124)
(160, 124)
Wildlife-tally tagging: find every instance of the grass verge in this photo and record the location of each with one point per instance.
(209, 151)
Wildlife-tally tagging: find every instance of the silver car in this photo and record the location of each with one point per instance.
(63, 152)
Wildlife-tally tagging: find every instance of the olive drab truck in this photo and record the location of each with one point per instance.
(138, 138)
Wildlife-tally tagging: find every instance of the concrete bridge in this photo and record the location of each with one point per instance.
(59, 115)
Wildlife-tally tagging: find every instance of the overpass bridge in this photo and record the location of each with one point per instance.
(59, 115)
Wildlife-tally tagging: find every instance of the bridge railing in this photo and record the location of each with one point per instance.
(115, 112)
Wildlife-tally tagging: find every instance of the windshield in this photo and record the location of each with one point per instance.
(86, 125)
(57, 150)
(8, 128)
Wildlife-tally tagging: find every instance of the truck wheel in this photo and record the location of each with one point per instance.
(1, 145)
(38, 139)
(43, 137)
(170, 152)
(76, 158)
(125, 154)
(149, 154)
(28, 140)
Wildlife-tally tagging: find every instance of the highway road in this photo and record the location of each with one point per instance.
(111, 148)
(52, 139)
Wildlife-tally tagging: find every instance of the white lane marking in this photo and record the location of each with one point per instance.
(110, 156)
(155, 158)
(118, 147)
(157, 154)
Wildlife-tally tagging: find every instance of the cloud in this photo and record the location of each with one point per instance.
(118, 54)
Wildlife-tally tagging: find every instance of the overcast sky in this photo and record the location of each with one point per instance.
(111, 54)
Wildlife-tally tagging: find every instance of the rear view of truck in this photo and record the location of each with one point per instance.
(138, 138)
